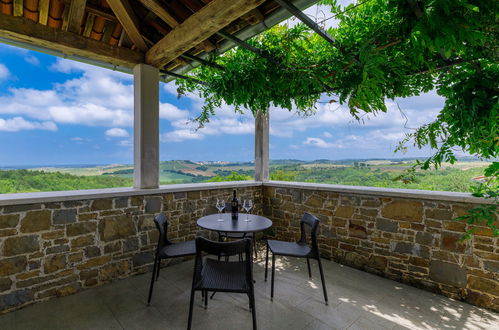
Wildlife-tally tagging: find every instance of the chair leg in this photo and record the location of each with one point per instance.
(272, 284)
(206, 300)
(213, 294)
(309, 270)
(253, 308)
(322, 279)
(152, 280)
(158, 268)
(254, 246)
(266, 262)
(191, 305)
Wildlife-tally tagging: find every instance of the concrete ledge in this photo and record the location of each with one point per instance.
(388, 192)
(60, 196)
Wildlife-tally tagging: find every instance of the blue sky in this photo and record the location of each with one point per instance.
(55, 111)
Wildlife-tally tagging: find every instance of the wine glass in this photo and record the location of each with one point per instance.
(247, 205)
(220, 206)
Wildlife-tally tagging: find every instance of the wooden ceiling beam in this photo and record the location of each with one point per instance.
(253, 17)
(286, 4)
(102, 12)
(155, 7)
(44, 11)
(197, 28)
(76, 12)
(29, 32)
(18, 7)
(124, 12)
(161, 12)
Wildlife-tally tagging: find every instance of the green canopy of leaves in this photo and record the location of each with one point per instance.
(384, 49)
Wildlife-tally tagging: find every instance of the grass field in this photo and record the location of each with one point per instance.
(375, 173)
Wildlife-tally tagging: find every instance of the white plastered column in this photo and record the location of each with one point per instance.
(262, 146)
(146, 126)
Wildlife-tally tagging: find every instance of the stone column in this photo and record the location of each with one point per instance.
(262, 146)
(146, 126)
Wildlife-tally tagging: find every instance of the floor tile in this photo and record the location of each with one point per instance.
(357, 300)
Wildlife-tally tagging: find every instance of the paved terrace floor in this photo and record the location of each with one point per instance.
(358, 300)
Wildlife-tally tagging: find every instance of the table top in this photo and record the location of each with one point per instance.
(257, 223)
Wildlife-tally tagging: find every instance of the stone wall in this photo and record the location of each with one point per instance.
(57, 247)
(61, 247)
(409, 240)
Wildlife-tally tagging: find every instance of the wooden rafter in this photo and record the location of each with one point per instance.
(29, 32)
(76, 12)
(197, 28)
(161, 12)
(155, 7)
(247, 46)
(203, 61)
(43, 6)
(286, 4)
(253, 17)
(102, 12)
(124, 12)
(18, 7)
(88, 25)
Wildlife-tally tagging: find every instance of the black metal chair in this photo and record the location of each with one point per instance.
(298, 249)
(166, 249)
(220, 275)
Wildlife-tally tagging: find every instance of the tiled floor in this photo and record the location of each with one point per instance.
(358, 300)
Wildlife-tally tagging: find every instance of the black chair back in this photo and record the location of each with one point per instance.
(312, 223)
(161, 222)
(205, 246)
(225, 276)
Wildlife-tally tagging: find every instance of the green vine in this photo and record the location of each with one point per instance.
(484, 214)
(384, 49)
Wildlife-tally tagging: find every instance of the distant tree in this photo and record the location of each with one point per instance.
(234, 176)
(281, 175)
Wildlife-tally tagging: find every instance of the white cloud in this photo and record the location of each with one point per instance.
(91, 115)
(4, 72)
(318, 142)
(170, 112)
(70, 66)
(125, 143)
(413, 112)
(181, 135)
(19, 124)
(33, 60)
(327, 135)
(80, 140)
(117, 132)
(226, 121)
(99, 97)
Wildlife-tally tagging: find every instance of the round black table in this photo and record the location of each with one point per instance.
(257, 223)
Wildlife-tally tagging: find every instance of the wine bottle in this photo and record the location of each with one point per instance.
(235, 206)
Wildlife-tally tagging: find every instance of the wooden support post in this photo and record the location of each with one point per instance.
(146, 126)
(262, 146)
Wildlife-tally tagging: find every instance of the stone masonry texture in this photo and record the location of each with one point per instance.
(60, 248)
(408, 240)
